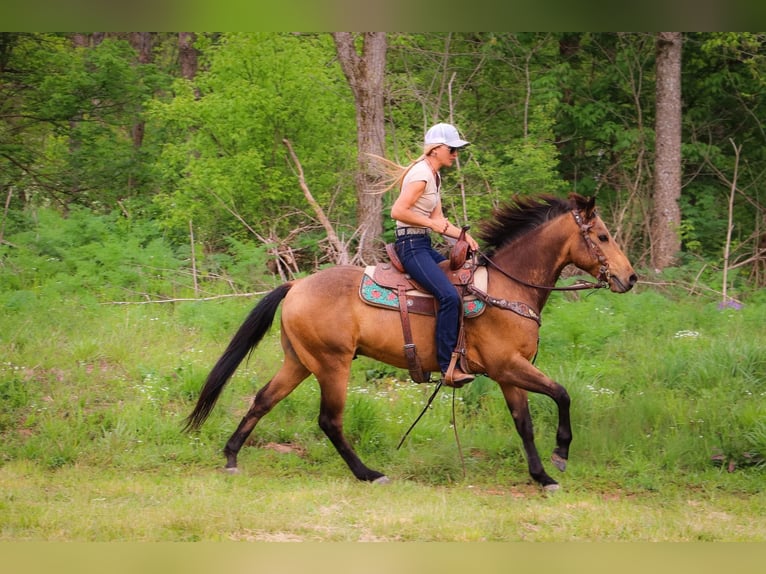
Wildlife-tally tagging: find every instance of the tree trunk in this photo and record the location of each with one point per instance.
(142, 43)
(187, 54)
(365, 74)
(81, 40)
(666, 214)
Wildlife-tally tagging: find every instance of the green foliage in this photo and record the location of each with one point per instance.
(531, 163)
(71, 139)
(723, 86)
(224, 149)
(85, 253)
(546, 112)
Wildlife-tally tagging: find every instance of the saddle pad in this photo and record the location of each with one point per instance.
(418, 302)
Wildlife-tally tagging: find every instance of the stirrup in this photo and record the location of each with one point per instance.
(454, 376)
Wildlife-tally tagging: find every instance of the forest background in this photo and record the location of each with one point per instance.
(154, 184)
(204, 136)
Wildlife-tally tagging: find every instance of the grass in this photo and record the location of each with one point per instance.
(171, 503)
(668, 414)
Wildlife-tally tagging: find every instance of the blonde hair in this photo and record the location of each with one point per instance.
(392, 173)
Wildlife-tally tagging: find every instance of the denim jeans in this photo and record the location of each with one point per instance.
(421, 261)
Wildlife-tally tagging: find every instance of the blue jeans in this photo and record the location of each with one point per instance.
(421, 261)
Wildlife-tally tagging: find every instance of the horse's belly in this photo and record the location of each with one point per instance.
(382, 338)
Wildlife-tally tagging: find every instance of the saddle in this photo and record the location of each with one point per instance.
(388, 285)
(382, 283)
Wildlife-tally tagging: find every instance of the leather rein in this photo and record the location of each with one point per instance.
(603, 272)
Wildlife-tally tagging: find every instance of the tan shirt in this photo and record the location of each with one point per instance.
(428, 201)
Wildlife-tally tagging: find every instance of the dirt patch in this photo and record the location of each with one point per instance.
(285, 448)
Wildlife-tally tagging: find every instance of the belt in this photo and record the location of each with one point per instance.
(404, 231)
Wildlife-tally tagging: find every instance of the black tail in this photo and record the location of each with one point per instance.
(245, 340)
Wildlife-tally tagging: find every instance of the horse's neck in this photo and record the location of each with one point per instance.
(537, 259)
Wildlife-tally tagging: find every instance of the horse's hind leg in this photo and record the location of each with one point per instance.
(333, 383)
(284, 382)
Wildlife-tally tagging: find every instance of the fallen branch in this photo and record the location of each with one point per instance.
(183, 299)
(279, 259)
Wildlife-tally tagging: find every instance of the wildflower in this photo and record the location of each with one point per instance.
(730, 304)
(686, 334)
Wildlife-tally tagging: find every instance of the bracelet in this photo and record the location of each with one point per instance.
(446, 226)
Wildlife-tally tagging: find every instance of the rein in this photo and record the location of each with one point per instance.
(454, 424)
(603, 274)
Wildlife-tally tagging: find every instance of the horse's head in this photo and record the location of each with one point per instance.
(595, 251)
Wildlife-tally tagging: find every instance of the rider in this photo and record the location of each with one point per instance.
(418, 212)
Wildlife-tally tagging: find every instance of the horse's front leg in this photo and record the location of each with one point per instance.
(517, 402)
(518, 380)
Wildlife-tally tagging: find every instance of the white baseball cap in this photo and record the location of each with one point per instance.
(444, 134)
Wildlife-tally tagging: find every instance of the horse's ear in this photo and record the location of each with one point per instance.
(585, 204)
(590, 207)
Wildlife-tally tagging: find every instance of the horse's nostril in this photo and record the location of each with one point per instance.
(633, 279)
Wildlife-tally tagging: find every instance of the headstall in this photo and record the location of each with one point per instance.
(603, 272)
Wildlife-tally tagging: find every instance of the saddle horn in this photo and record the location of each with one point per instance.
(460, 250)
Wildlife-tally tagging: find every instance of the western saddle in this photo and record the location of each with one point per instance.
(387, 284)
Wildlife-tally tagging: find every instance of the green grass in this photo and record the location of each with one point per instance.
(668, 412)
(91, 414)
(174, 503)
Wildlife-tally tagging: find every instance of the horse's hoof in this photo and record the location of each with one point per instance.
(231, 470)
(551, 487)
(381, 480)
(559, 462)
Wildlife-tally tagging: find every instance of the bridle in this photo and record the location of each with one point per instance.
(603, 272)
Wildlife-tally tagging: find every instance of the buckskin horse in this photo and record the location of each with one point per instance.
(325, 324)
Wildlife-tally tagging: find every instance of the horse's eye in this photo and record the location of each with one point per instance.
(603, 237)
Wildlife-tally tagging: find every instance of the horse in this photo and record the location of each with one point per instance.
(325, 325)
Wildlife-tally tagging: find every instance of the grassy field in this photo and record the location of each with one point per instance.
(668, 404)
(192, 504)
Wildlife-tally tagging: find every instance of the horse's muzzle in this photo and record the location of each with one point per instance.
(618, 285)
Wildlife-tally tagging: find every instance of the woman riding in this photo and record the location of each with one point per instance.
(418, 212)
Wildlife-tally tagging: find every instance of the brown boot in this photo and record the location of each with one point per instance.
(457, 379)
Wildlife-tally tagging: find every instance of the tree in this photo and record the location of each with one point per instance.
(142, 43)
(365, 76)
(187, 54)
(224, 150)
(666, 213)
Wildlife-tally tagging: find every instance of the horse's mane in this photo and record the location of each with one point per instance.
(521, 215)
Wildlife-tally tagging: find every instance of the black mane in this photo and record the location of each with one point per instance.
(520, 216)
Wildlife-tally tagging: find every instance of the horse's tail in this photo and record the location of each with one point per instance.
(242, 344)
